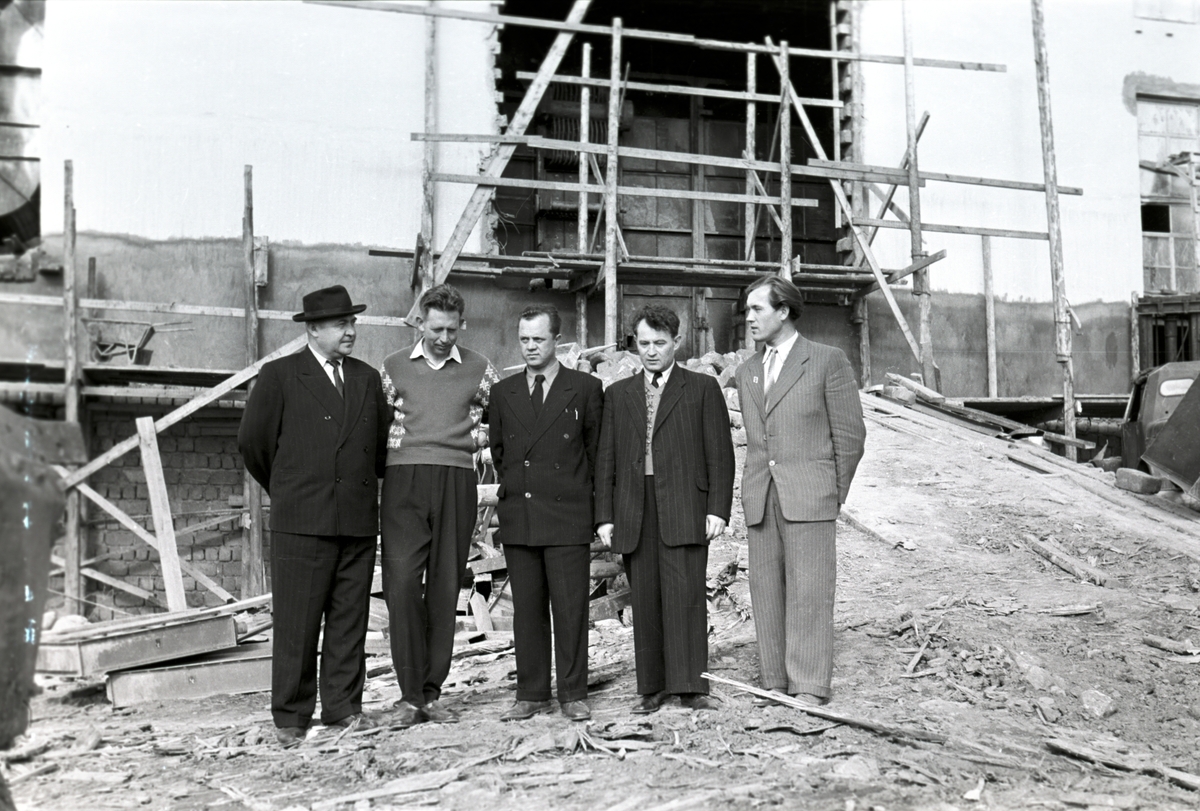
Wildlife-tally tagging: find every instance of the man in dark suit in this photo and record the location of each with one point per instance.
(805, 435)
(664, 488)
(314, 435)
(544, 425)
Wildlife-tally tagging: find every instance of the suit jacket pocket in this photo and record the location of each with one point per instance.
(702, 483)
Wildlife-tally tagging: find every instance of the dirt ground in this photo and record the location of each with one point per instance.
(949, 627)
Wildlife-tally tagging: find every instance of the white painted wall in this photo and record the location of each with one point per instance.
(986, 124)
(161, 104)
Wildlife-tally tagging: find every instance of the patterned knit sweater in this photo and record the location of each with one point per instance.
(436, 413)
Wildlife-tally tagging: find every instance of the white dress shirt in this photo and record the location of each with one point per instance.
(771, 373)
(325, 367)
(419, 352)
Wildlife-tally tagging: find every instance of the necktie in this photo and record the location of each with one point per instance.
(769, 376)
(539, 394)
(337, 377)
(654, 380)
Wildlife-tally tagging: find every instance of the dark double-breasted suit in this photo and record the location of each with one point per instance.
(545, 464)
(659, 521)
(319, 456)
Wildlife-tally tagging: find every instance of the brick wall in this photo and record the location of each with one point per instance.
(203, 473)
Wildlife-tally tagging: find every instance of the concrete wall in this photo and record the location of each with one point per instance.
(986, 124)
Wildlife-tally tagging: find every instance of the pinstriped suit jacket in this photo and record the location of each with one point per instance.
(317, 455)
(693, 459)
(807, 436)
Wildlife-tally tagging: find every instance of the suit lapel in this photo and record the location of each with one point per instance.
(672, 392)
(754, 368)
(356, 395)
(316, 381)
(793, 369)
(518, 397)
(635, 403)
(559, 395)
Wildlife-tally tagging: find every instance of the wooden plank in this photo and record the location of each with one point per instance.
(143, 646)
(848, 56)
(750, 215)
(115, 627)
(611, 206)
(896, 275)
(137, 529)
(954, 229)
(428, 159)
(479, 611)
(253, 577)
(75, 545)
(989, 307)
(839, 195)
(1062, 319)
(900, 176)
(160, 508)
(481, 197)
(1059, 557)
(886, 203)
(685, 90)
(113, 582)
(233, 671)
(785, 163)
(923, 392)
(486, 565)
(183, 412)
(629, 191)
(610, 606)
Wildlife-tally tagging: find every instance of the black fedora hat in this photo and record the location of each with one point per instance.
(330, 302)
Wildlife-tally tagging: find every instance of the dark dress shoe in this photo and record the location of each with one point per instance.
(356, 720)
(576, 710)
(699, 701)
(811, 700)
(650, 703)
(525, 709)
(290, 736)
(405, 715)
(439, 713)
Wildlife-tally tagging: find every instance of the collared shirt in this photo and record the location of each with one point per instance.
(549, 373)
(325, 367)
(419, 352)
(782, 352)
(653, 395)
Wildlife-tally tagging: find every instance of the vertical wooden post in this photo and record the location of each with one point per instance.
(1135, 335)
(253, 574)
(921, 278)
(989, 304)
(857, 153)
(160, 508)
(785, 162)
(428, 158)
(74, 547)
(581, 225)
(862, 318)
(1062, 319)
(835, 94)
(751, 215)
(611, 312)
(699, 216)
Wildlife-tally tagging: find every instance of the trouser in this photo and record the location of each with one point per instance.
(545, 579)
(670, 609)
(793, 577)
(315, 577)
(427, 516)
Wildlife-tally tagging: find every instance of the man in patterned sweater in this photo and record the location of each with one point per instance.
(437, 392)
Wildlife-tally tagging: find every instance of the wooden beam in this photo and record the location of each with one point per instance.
(138, 530)
(685, 90)
(989, 309)
(921, 286)
(1062, 319)
(253, 576)
(75, 545)
(611, 207)
(160, 508)
(581, 217)
(123, 447)
(627, 191)
(956, 229)
(839, 195)
(113, 582)
(901, 175)
(896, 275)
(886, 203)
(785, 164)
(750, 215)
(700, 334)
(847, 56)
(499, 160)
(428, 160)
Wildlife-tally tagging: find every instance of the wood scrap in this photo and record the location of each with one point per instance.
(1054, 553)
(1185, 648)
(923, 392)
(861, 723)
(1125, 760)
(428, 781)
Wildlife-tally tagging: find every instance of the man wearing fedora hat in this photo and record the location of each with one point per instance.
(314, 435)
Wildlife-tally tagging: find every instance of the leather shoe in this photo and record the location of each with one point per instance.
(576, 710)
(649, 703)
(355, 720)
(810, 699)
(405, 715)
(763, 701)
(439, 713)
(521, 710)
(698, 701)
(290, 736)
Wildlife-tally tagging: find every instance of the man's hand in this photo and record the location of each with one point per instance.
(604, 532)
(713, 526)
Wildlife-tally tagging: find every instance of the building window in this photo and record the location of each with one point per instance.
(1173, 11)
(1168, 135)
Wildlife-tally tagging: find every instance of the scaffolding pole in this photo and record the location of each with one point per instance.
(581, 224)
(74, 545)
(611, 304)
(253, 576)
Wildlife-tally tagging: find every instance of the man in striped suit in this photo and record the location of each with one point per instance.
(804, 439)
(664, 489)
(314, 435)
